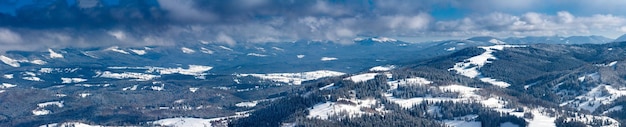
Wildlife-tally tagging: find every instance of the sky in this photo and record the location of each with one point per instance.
(41, 24)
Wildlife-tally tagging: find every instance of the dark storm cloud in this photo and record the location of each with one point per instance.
(59, 24)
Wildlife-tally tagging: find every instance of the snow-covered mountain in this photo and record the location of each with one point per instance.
(471, 82)
(559, 40)
(620, 38)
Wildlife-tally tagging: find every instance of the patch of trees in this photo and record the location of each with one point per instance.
(491, 118)
(422, 91)
(390, 119)
(276, 113)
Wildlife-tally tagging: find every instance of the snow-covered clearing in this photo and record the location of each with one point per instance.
(126, 75)
(353, 108)
(198, 122)
(72, 80)
(362, 77)
(256, 54)
(6, 85)
(8, 76)
(383, 68)
(408, 82)
(328, 87)
(606, 65)
(187, 50)
(328, 58)
(40, 110)
(192, 70)
(295, 78)
(70, 124)
(36, 79)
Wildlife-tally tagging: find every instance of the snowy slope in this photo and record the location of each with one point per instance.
(54, 54)
(600, 95)
(470, 67)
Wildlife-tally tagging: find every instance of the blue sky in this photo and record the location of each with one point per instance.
(29, 23)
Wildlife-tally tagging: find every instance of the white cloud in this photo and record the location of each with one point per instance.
(530, 24)
(223, 38)
(622, 29)
(416, 22)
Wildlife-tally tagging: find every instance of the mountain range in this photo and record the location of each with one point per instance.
(377, 81)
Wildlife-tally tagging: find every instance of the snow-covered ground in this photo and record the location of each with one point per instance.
(496, 41)
(256, 54)
(169, 122)
(9, 61)
(6, 85)
(36, 79)
(362, 77)
(8, 76)
(300, 56)
(377, 39)
(466, 95)
(16, 63)
(495, 82)
(462, 123)
(193, 89)
(247, 104)
(592, 76)
(38, 62)
(469, 67)
(383, 39)
(138, 51)
(295, 78)
(606, 65)
(84, 95)
(353, 108)
(133, 88)
(328, 58)
(116, 49)
(187, 50)
(383, 68)
(600, 95)
(40, 110)
(327, 87)
(126, 75)
(193, 70)
(54, 54)
(469, 94)
(72, 80)
(408, 82)
(451, 49)
(198, 122)
(70, 124)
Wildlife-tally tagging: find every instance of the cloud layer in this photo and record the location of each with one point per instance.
(61, 24)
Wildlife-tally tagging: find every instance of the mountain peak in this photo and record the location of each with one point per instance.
(489, 39)
(376, 39)
(620, 38)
